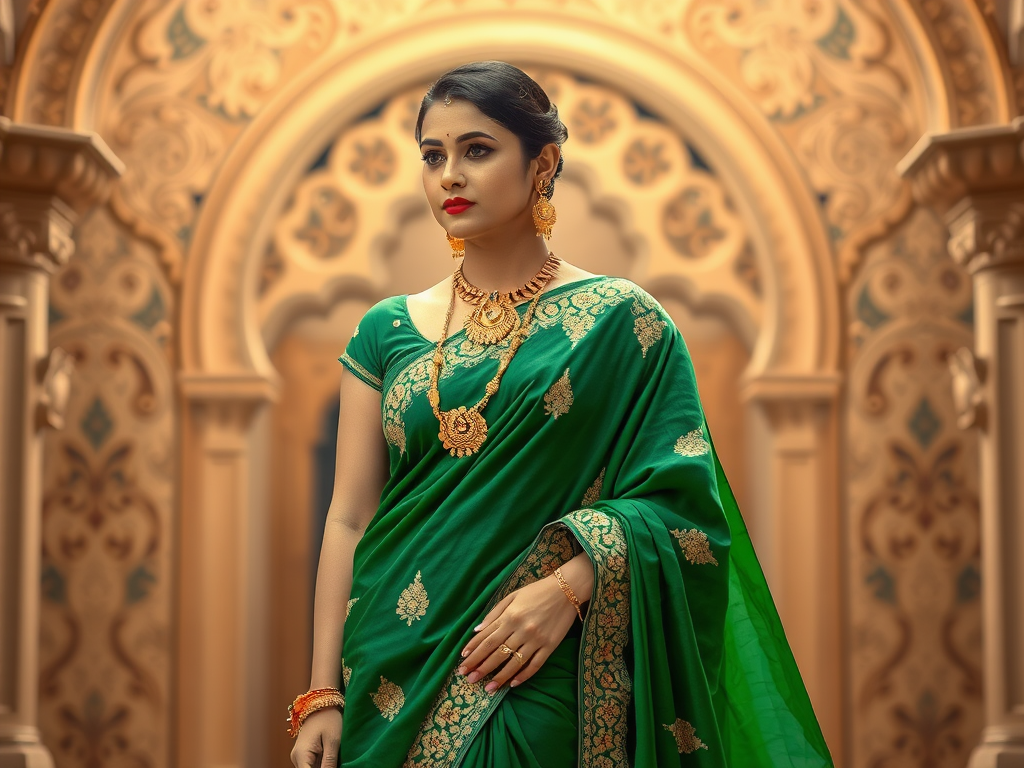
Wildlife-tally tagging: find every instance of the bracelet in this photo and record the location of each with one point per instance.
(309, 702)
(568, 592)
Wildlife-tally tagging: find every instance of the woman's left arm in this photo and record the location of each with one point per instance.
(532, 620)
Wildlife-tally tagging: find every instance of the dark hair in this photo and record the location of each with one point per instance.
(508, 96)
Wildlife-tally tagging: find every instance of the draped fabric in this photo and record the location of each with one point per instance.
(596, 442)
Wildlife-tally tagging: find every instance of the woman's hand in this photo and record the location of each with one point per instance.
(533, 621)
(317, 744)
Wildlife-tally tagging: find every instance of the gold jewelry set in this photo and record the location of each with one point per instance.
(568, 592)
(463, 430)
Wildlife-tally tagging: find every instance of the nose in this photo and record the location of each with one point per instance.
(451, 176)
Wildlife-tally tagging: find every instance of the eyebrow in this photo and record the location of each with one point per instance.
(462, 138)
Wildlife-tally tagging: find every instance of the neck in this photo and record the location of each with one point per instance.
(504, 263)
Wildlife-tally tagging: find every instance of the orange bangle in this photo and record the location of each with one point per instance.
(309, 702)
(568, 592)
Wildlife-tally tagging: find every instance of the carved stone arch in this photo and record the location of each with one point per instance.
(800, 330)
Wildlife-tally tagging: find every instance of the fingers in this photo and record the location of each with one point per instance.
(470, 652)
(499, 657)
(478, 663)
(495, 612)
(513, 666)
(533, 664)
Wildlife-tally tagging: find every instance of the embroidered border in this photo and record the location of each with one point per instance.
(605, 686)
(361, 372)
(460, 708)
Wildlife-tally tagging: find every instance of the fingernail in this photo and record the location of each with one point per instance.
(465, 652)
(513, 684)
(491, 687)
(462, 670)
(478, 627)
(474, 677)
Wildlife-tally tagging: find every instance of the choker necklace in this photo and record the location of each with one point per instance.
(495, 317)
(463, 430)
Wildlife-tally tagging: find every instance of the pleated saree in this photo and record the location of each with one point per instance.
(596, 442)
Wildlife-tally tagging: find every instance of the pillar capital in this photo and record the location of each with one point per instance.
(973, 178)
(48, 177)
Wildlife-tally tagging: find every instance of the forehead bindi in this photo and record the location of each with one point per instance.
(449, 123)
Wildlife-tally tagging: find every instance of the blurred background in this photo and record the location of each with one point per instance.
(739, 159)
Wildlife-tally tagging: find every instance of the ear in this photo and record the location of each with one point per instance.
(546, 163)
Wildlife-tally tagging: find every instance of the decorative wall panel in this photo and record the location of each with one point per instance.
(913, 509)
(108, 511)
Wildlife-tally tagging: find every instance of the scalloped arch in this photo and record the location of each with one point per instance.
(220, 329)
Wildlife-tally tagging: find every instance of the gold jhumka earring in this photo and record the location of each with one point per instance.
(543, 211)
(458, 246)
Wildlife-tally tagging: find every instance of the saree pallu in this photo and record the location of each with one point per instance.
(596, 442)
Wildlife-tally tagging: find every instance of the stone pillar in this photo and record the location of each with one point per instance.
(974, 179)
(48, 177)
(796, 527)
(224, 594)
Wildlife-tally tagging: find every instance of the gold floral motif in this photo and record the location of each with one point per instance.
(692, 444)
(346, 673)
(648, 329)
(593, 494)
(413, 602)
(687, 740)
(574, 310)
(695, 546)
(348, 608)
(558, 399)
(389, 698)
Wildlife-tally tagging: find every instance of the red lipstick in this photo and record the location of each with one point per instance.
(456, 205)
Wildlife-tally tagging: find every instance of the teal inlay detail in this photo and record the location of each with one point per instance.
(839, 39)
(181, 36)
(97, 424)
(868, 313)
(883, 585)
(138, 584)
(968, 584)
(152, 313)
(925, 423)
(967, 316)
(54, 315)
(53, 585)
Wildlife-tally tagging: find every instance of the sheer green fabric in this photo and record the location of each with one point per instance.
(597, 442)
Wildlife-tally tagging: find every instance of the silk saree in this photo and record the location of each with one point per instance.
(597, 442)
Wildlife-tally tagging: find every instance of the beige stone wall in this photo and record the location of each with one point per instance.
(737, 159)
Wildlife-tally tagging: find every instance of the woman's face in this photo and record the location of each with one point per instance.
(469, 157)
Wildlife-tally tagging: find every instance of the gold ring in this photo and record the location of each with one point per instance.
(509, 652)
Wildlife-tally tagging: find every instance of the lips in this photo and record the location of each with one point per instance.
(456, 205)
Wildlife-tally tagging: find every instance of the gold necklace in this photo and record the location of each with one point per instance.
(495, 317)
(463, 430)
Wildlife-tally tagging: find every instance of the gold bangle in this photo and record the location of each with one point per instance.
(309, 702)
(568, 592)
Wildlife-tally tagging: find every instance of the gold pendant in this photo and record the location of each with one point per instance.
(492, 321)
(463, 431)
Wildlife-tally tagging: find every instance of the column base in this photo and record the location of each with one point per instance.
(1002, 746)
(25, 756)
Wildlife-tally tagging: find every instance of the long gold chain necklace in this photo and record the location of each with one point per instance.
(463, 430)
(495, 317)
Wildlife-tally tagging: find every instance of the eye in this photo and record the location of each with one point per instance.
(431, 158)
(473, 153)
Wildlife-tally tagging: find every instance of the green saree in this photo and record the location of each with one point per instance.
(596, 442)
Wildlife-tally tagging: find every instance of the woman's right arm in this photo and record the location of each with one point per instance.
(359, 477)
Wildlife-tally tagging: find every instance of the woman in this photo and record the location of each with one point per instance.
(537, 561)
